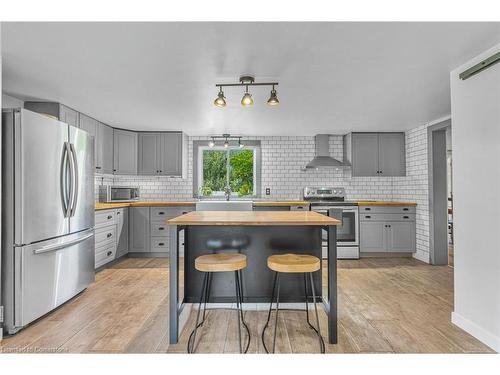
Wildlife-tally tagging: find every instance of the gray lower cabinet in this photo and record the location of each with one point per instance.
(386, 229)
(139, 230)
(372, 237)
(122, 232)
(376, 154)
(105, 237)
(125, 152)
(401, 236)
(58, 110)
(104, 145)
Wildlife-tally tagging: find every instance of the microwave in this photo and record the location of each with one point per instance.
(109, 194)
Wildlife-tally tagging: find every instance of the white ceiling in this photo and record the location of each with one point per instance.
(333, 77)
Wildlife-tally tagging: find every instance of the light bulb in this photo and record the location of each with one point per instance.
(211, 143)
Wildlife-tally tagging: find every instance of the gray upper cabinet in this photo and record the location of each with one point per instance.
(90, 126)
(69, 116)
(125, 152)
(104, 144)
(392, 154)
(365, 154)
(57, 110)
(149, 153)
(171, 154)
(376, 154)
(160, 154)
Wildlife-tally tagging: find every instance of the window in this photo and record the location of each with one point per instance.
(219, 168)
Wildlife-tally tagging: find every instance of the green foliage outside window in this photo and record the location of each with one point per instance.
(215, 171)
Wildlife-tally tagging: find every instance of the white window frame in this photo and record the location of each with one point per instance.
(198, 182)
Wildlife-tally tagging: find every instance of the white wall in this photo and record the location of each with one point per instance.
(475, 112)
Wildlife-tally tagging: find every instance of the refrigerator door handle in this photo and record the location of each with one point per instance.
(61, 245)
(64, 180)
(76, 182)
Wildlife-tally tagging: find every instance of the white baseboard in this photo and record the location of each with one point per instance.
(478, 332)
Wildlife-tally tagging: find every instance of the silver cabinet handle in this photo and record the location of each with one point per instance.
(76, 180)
(58, 246)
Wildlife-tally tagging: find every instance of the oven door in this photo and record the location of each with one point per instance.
(347, 232)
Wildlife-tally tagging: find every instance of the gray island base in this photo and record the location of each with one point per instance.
(263, 235)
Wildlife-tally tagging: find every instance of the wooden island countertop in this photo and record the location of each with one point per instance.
(253, 218)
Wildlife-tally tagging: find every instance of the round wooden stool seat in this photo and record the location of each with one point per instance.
(220, 262)
(293, 263)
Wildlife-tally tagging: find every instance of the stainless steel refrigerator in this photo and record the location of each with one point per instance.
(47, 215)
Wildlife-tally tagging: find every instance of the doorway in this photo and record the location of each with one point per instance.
(440, 193)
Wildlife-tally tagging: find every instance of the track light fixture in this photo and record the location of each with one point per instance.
(226, 138)
(247, 99)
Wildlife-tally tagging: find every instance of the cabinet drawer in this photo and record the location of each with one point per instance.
(159, 244)
(388, 209)
(299, 208)
(105, 235)
(164, 213)
(386, 217)
(103, 218)
(104, 254)
(159, 230)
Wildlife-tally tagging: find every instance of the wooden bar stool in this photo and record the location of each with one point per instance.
(293, 263)
(223, 262)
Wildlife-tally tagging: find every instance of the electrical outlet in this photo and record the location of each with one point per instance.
(268, 191)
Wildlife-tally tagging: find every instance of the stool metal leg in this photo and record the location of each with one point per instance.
(238, 306)
(321, 342)
(240, 297)
(277, 309)
(203, 298)
(269, 313)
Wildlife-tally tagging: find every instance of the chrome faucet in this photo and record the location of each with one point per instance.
(227, 193)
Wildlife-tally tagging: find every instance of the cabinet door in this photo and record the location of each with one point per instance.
(365, 154)
(401, 236)
(372, 237)
(69, 116)
(121, 232)
(139, 239)
(171, 154)
(90, 126)
(149, 150)
(105, 147)
(125, 152)
(392, 155)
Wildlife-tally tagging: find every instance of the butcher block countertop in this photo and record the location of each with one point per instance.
(259, 203)
(254, 218)
(385, 203)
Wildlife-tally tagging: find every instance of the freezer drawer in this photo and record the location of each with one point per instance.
(48, 274)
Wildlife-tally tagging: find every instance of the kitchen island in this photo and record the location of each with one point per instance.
(264, 233)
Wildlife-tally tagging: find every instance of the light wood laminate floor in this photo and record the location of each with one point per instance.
(385, 305)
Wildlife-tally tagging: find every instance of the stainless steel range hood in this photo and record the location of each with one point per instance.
(322, 159)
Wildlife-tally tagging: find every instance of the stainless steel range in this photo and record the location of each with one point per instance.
(323, 199)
